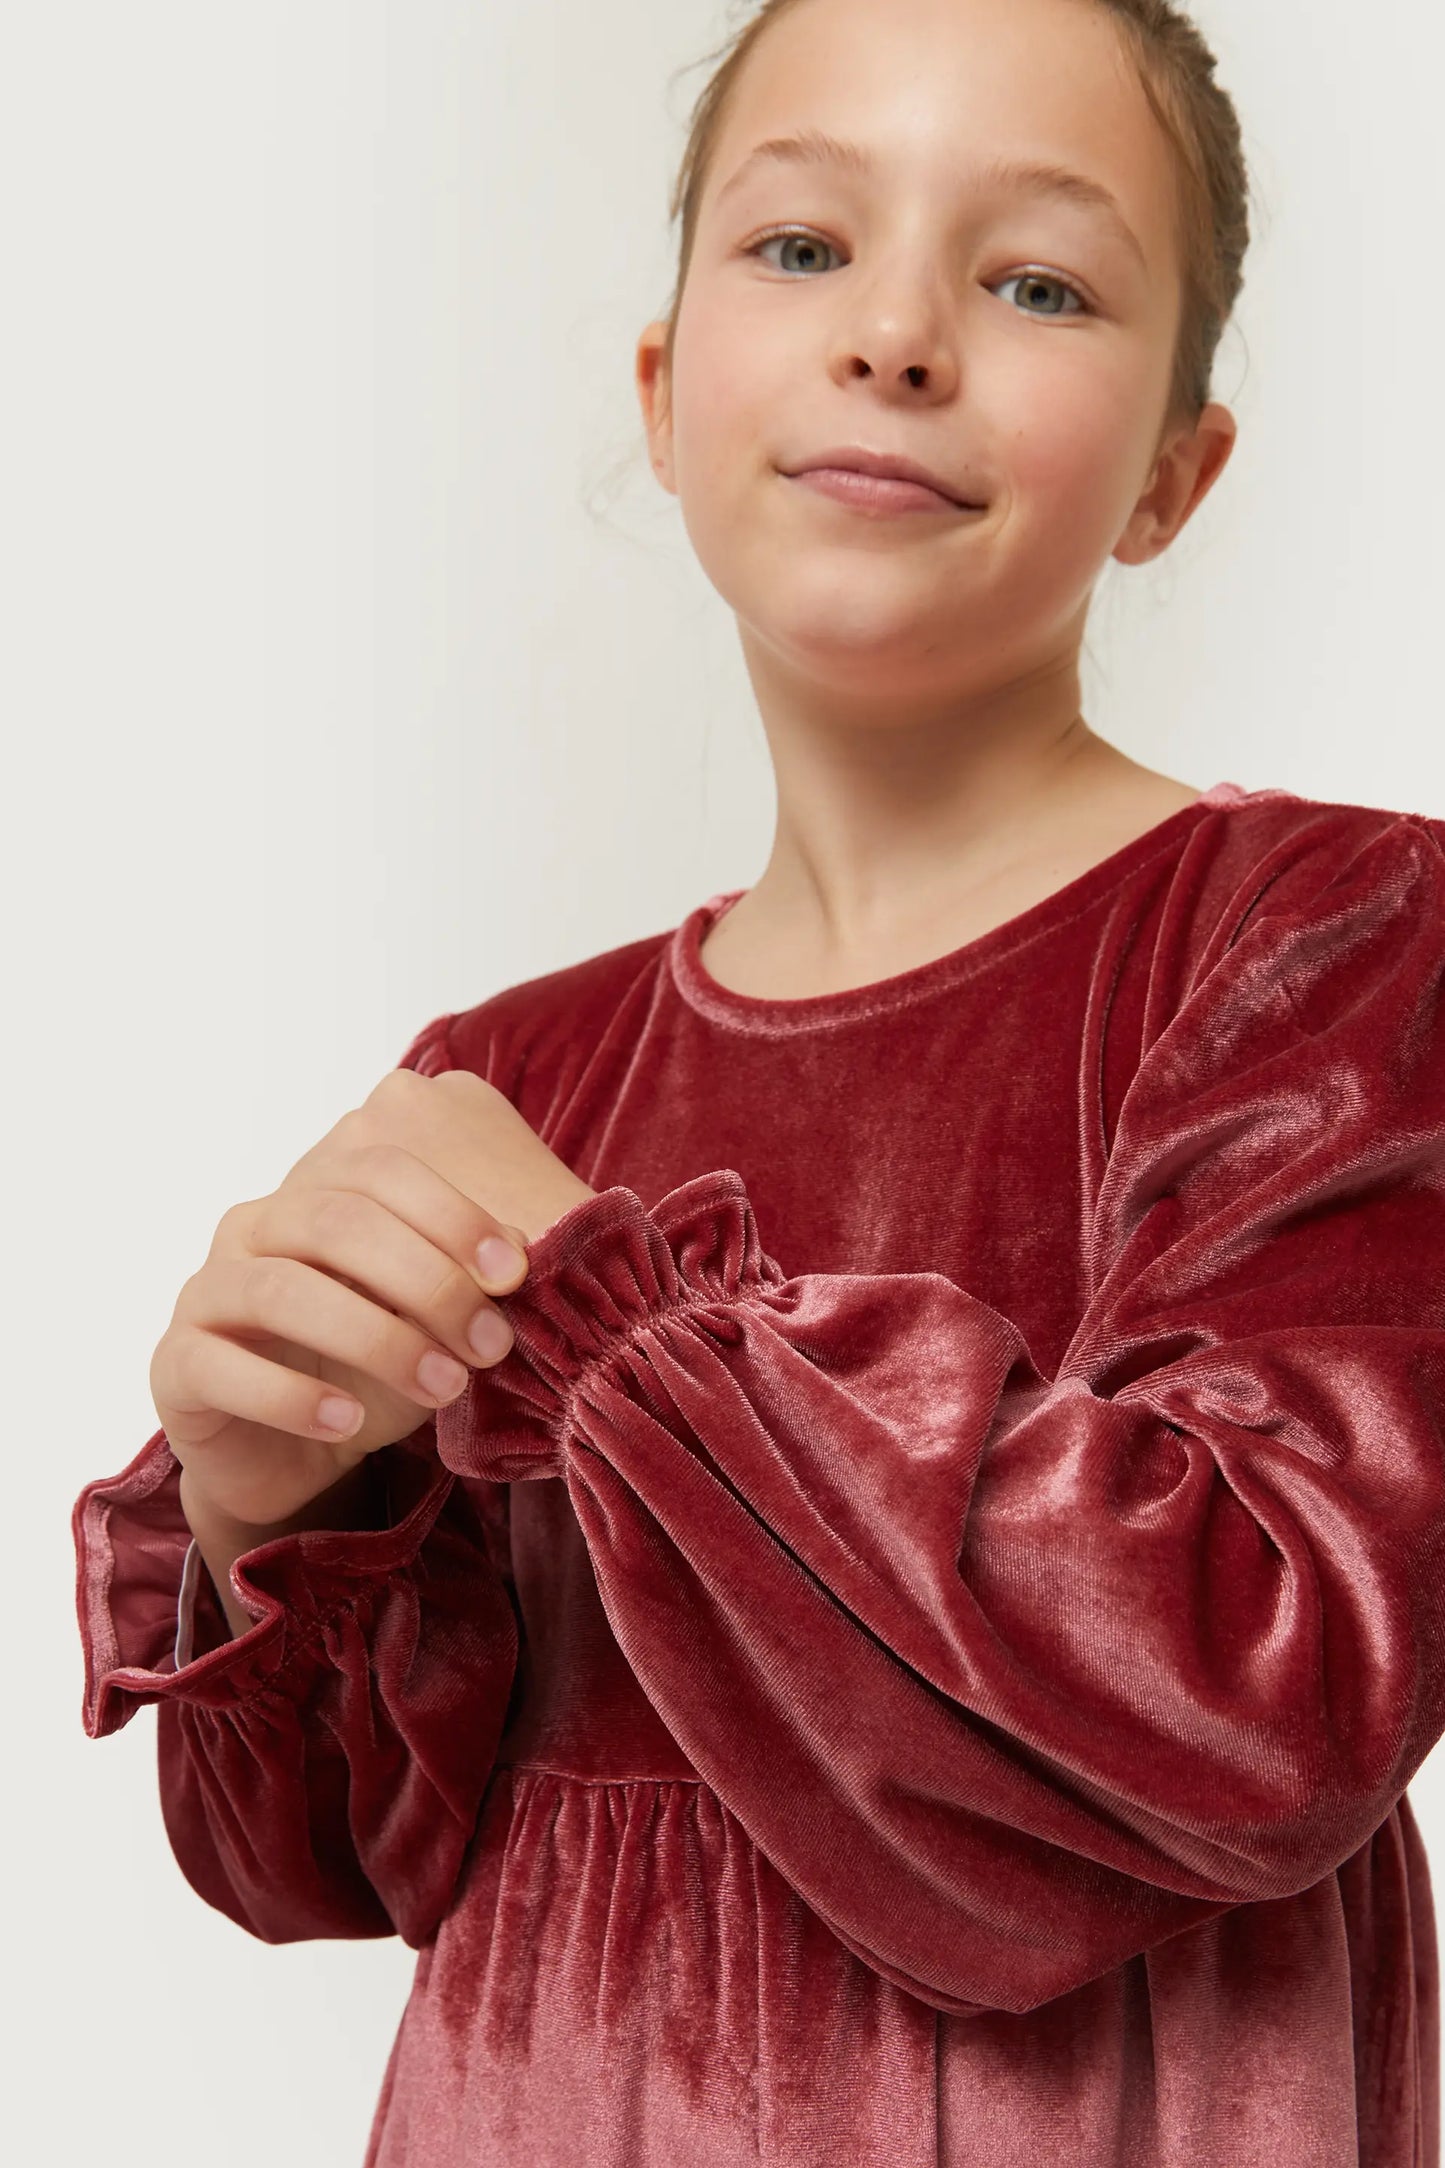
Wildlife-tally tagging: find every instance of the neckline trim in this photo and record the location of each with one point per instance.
(757, 1013)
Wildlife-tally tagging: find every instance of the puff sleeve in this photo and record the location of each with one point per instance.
(320, 1774)
(1012, 1676)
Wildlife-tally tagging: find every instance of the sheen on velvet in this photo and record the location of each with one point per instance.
(918, 1652)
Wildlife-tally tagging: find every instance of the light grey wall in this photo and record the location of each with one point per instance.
(355, 666)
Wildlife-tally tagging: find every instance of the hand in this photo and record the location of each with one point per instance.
(472, 1134)
(339, 1283)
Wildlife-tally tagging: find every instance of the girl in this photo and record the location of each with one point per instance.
(915, 1651)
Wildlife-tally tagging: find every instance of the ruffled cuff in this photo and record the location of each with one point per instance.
(144, 1595)
(599, 1277)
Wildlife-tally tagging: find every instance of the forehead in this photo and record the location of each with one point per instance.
(958, 94)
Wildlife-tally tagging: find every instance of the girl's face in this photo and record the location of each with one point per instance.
(1016, 342)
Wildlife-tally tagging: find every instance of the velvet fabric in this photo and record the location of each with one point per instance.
(916, 1655)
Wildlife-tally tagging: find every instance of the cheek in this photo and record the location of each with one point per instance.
(1074, 461)
(708, 431)
(728, 402)
(1055, 424)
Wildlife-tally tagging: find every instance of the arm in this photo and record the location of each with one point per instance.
(314, 1777)
(1013, 1677)
(352, 1503)
(321, 1765)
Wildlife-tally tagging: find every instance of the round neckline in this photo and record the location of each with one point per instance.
(757, 1012)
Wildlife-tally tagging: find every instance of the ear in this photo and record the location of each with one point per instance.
(654, 389)
(1187, 468)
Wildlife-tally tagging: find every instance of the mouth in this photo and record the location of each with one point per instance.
(878, 494)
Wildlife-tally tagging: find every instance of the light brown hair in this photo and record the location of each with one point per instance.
(1177, 71)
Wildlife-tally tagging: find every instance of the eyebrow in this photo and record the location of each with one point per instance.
(813, 147)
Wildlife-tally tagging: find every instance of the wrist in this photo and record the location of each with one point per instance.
(568, 1194)
(351, 1502)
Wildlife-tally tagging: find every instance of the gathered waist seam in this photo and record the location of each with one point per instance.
(535, 1769)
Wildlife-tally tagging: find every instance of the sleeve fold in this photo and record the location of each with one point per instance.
(1013, 1676)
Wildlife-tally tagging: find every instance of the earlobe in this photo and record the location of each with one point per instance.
(1148, 532)
(1132, 550)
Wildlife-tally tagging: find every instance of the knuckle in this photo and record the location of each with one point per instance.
(335, 1215)
(172, 1370)
(162, 1358)
(447, 1291)
(396, 1084)
(267, 1284)
(375, 1158)
(394, 1349)
(191, 1294)
(351, 1131)
(196, 1297)
(235, 1224)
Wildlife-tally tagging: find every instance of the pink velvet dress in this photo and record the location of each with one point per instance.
(917, 1654)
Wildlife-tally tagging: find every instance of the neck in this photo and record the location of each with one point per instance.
(865, 848)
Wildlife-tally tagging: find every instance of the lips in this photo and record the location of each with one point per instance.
(879, 496)
(884, 466)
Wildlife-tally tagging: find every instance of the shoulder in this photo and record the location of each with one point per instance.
(1303, 916)
(543, 1024)
(1272, 855)
(1253, 897)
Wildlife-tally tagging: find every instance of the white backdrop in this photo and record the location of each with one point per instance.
(356, 666)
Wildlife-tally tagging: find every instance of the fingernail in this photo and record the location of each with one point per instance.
(441, 1375)
(498, 1260)
(490, 1335)
(339, 1416)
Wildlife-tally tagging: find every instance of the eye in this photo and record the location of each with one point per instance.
(786, 233)
(1032, 278)
(1049, 278)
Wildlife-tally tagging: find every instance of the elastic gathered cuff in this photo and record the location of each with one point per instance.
(598, 1276)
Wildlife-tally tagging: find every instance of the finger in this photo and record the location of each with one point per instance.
(413, 1192)
(363, 1243)
(209, 1376)
(283, 1297)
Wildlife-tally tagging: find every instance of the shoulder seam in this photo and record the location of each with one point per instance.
(1432, 830)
